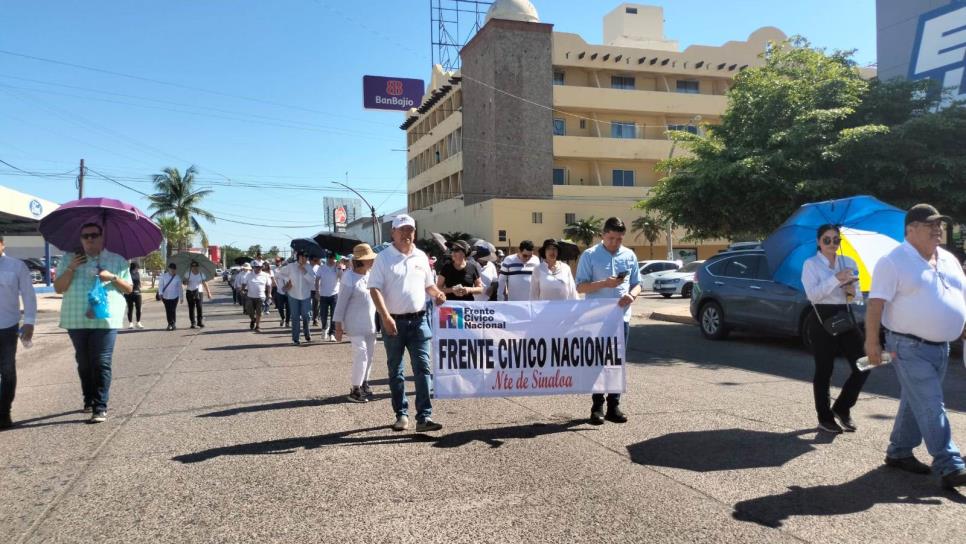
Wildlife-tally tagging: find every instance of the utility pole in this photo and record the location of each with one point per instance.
(80, 181)
(372, 210)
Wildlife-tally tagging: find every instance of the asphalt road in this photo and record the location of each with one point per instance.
(222, 435)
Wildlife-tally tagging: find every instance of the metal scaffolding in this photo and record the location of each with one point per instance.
(453, 23)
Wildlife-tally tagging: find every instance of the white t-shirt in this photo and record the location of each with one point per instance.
(195, 281)
(556, 285)
(402, 279)
(241, 278)
(257, 285)
(328, 279)
(488, 275)
(921, 300)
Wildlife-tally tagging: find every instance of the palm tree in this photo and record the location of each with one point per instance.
(454, 236)
(649, 228)
(583, 231)
(178, 196)
(175, 232)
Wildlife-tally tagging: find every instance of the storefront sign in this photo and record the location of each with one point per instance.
(391, 93)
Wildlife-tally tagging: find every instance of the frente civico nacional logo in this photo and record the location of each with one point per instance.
(469, 318)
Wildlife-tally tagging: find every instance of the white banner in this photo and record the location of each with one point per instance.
(503, 349)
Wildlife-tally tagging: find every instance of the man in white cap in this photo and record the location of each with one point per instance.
(399, 282)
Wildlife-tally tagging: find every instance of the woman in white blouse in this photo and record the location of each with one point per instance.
(169, 292)
(831, 283)
(355, 317)
(552, 279)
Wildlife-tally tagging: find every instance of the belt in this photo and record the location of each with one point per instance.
(917, 339)
(414, 315)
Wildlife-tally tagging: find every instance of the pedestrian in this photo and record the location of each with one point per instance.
(316, 262)
(500, 256)
(195, 280)
(460, 278)
(552, 279)
(354, 317)
(298, 282)
(327, 278)
(15, 286)
(608, 270)
(919, 296)
(92, 337)
(281, 298)
(830, 283)
(399, 282)
(258, 284)
(169, 293)
(240, 279)
(516, 272)
(133, 299)
(267, 269)
(488, 273)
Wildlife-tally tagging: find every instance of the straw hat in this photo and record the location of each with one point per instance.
(246, 266)
(363, 252)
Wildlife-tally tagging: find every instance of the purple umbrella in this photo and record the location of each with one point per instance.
(128, 231)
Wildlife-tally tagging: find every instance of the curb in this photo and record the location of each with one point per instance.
(673, 318)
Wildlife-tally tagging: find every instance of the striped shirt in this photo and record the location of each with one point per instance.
(515, 277)
(73, 309)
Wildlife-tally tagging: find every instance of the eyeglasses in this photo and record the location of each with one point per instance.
(831, 241)
(90, 235)
(934, 225)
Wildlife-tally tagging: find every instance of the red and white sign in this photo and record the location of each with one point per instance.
(340, 216)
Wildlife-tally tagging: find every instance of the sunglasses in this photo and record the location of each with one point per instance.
(831, 241)
(90, 235)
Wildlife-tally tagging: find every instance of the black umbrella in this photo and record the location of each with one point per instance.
(567, 251)
(440, 241)
(242, 260)
(307, 246)
(336, 243)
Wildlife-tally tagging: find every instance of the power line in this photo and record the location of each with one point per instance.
(38, 174)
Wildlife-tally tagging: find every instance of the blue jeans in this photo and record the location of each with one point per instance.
(922, 416)
(298, 311)
(327, 305)
(613, 399)
(413, 335)
(8, 367)
(94, 350)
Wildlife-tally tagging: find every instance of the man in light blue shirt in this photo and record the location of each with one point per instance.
(15, 284)
(609, 270)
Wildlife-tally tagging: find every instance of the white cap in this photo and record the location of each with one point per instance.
(403, 220)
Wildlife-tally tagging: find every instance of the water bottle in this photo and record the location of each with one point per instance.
(864, 365)
(27, 344)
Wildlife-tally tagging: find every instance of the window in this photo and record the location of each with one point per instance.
(744, 267)
(559, 127)
(559, 176)
(623, 129)
(501, 235)
(632, 11)
(622, 82)
(558, 78)
(623, 178)
(537, 218)
(689, 86)
(583, 123)
(693, 129)
(570, 218)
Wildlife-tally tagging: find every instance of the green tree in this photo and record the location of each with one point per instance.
(650, 228)
(178, 196)
(584, 231)
(254, 250)
(175, 232)
(806, 127)
(154, 262)
(228, 254)
(272, 252)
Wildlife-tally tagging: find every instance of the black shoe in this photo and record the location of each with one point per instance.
(955, 479)
(846, 422)
(192, 325)
(174, 326)
(908, 464)
(201, 325)
(615, 415)
(281, 322)
(597, 415)
(251, 325)
(5, 421)
(308, 338)
(170, 327)
(830, 426)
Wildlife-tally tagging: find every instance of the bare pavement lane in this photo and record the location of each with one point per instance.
(222, 435)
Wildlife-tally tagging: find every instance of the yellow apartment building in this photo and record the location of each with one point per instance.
(540, 128)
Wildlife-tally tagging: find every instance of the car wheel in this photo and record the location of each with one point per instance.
(666, 295)
(686, 290)
(711, 321)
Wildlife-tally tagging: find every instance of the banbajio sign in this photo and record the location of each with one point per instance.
(391, 93)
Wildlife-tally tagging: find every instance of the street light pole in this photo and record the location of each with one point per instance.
(372, 210)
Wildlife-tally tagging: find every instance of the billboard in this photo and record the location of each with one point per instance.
(391, 93)
(939, 49)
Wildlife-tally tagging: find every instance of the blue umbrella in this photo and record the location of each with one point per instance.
(792, 243)
(308, 246)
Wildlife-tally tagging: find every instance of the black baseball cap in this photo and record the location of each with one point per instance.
(924, 213)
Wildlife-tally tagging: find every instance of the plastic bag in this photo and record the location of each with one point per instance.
(97, 300)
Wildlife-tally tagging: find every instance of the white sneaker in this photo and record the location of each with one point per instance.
(130, 325)
(140, 326)
(329, 338)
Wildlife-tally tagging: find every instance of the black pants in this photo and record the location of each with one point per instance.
(315, 307)
(170, 310)
(826, 348)
(281, 303)
(133, 306)
(8, 368)
(194, 304)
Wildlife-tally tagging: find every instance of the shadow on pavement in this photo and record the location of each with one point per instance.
(495, 437)
(725, 449)
(879, 486)
(289, 405)
(236, 347)
(33, 422)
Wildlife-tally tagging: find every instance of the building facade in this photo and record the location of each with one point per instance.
(539, 128)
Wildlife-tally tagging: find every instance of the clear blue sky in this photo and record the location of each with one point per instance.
(301, 63)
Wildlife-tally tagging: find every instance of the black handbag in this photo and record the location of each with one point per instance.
(840, 323)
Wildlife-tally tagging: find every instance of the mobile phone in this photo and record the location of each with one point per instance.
(622, 275)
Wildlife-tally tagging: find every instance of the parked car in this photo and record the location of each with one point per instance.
(36, 276)
(651, 270)
(34, 263)
(734, 291)
(677, 282)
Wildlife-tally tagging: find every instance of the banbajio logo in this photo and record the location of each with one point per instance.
(394, 87)
(450, 318)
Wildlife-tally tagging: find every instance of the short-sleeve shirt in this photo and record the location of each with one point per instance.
(73, 308)
(195, 280)
(402, 279)
(466, 277)
(257, 285)
(596, 263)
(921, 300)
(328, 279)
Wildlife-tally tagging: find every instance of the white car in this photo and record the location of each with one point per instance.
(651, 270)
(679, 282)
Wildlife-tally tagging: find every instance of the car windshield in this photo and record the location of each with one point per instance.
(691, 267)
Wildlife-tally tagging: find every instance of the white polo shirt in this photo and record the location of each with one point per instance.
(402, 279)
(920, 300)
